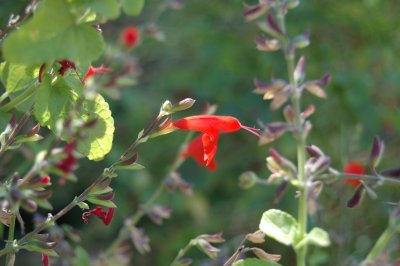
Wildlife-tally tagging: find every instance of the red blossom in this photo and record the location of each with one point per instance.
(45, 260)
(92, 70)
(195, 149)
(353, 168)
(68, 164)
(106, 217)
(211, 126)
(45, 180)
(65, 65)
(130, 36)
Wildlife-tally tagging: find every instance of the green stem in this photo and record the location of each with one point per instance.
(19, 99)
(381, 244)
(301, 143)
(181, 253)
(11, 230)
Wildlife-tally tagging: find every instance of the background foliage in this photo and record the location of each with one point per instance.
(209, 55)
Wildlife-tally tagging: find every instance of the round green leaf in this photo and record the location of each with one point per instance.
(279, 225)
(132, 7)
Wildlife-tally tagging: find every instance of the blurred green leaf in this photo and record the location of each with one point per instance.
(81, 257)
(53, 34)
(132, 7)
(279, 225)
(105, 203)
(134, 166)
(317, 236)
(16, 77)
(106, 9)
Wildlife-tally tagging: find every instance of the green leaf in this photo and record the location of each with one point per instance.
(317, 236)
(34, 246)
(22, 139)
(45, 204)
(53, 34)
(105, 203)
(106, 9)
(53, 101)
(16, 77)
(134, 166)
(132, 7)
(81, 257)
(255, 262)
(279, 225)
(98, 139)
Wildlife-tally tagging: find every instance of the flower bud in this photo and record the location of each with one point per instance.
(257, 237)
(376, 152)
(357, 197)
(207, 248)
(299, 71)
(29, 205)
(183, 105)
(247, 180)
(302, 40)
(215, 238)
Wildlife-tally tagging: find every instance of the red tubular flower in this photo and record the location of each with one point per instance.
(45, 260)
(353, 168)
(211, 126)
(196, 150)
(45, 180)
(92, 70)
(130, 36)
(106, 217)
(68, 164)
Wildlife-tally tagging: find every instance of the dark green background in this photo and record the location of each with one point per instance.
(209, 55)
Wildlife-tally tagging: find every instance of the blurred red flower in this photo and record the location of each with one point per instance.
(105, 217)
(130, 36)
(68, 164)
(92, 70)
(211, 126)
(353, 168)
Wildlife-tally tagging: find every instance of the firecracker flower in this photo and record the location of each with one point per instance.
(130, 36)
(211, 126)
(45, 260)
(92, 70)
(353, 168)
(105, 217)
(68, 164)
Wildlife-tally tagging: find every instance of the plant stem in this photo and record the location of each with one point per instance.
(11, 230)
(381, 244)
(124, 232)
(301, 143)
(19, 99)
(181, 253)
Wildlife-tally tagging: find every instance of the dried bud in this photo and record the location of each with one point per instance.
(267, 45)
(158, 213)
(283, 163)
(280, 191)
(314, 151)
(376, 152)
(272, 23)
(215, 238)
(257, 237)
(309, 111)
(269, 89)
(357, 197)
(320, 165)
(289, 114)
(302, 40)
(33, 131)
(264, 255)
(207, 248)
(253, 12)
(281, 98)
(247, 180)
(299, 71)
(140, 240)
(184, 262)
(392, 172)
(29, 205)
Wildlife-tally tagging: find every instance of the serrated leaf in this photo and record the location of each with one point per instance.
(16, 77)
(134, 166)
(98, 139)
(105, 203)
(81, 257)
(53, 34)
(53, 101)
(106, 9)
(132, 7)
(279, 225)
(317, 236)
(255, 262)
